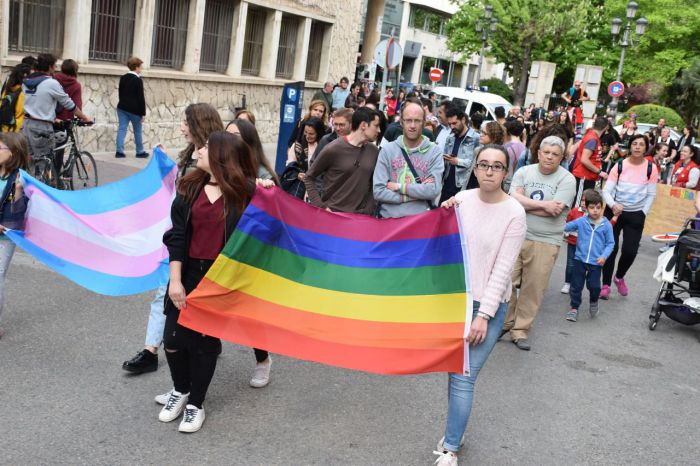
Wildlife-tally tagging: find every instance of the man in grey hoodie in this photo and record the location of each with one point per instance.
(41, 95)
(400, 190)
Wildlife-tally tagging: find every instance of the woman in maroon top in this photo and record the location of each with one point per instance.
(206, 209)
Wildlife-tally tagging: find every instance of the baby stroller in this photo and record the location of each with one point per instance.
(678, 270)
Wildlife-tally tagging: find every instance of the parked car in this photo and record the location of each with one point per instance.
(643, 128)
(473, 101)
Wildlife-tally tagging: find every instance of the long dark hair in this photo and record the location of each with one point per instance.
(318, 127)
(16, 77)
(233, 166)
(202, 120)
(251, 137)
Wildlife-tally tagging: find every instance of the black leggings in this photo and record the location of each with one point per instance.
(631, 224)
(191, 355)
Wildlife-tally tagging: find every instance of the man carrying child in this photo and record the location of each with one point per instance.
(594, 244)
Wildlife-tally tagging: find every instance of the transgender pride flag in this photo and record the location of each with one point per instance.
(107, 239)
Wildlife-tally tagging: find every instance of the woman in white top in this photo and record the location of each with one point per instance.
(494, 226)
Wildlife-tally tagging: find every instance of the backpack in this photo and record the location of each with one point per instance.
(650, 168)
(8, 107)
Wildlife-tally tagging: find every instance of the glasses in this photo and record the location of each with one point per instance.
(496, 167)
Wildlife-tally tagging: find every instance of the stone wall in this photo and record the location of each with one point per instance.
(168, 92)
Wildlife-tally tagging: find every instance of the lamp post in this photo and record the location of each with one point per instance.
(626, 40)
(485, 26)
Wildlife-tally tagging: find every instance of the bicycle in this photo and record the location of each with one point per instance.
(78, 170)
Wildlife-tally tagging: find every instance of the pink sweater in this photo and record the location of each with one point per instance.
(495, 234)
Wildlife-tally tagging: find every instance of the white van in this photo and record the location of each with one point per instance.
(473, 101)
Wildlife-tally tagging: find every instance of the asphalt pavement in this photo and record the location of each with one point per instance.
(602, 392)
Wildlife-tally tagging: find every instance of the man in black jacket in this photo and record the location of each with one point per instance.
(131, 107)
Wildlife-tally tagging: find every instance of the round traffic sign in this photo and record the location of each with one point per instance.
(435, 74)
(616, 89)
(388, 53)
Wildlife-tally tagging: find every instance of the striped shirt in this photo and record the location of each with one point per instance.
(633, 189)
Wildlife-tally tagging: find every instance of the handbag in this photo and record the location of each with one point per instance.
(290, 182)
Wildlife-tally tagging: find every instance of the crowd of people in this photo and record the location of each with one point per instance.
(512, 181)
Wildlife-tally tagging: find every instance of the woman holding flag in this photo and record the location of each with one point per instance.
(207, 207)
(494, 226)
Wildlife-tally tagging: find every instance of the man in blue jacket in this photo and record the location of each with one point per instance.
(593, 247)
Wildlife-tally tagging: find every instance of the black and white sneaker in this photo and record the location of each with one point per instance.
(173, 407)
(192, 420)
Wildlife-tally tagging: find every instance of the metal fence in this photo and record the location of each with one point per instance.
(287, 47)
(112, 30)
(253, 42)
(313, 61)
(170, 33)
(216, 41)
(36, 26)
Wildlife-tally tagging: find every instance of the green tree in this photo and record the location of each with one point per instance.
(498, 87)
(684, 93)
(669, 44)
(528, 30)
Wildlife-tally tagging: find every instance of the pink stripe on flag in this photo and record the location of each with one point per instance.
(122, 221)
(294, 212)
(72, 249)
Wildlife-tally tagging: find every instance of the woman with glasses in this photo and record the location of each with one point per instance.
(494, 222)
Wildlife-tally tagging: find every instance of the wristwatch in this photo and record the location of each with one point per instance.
(483, 315)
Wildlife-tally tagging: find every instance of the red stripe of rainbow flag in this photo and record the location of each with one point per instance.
(385, 296)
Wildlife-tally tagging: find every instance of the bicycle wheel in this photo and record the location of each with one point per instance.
(45, 172)
(83, 171)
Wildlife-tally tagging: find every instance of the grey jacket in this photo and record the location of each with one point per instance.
(41, 94)
(413, 198)
(466, 156)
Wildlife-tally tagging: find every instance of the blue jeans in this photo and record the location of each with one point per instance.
(124, 119)
(460, 390)
(156, 320)
(588, 274)
(570, 253)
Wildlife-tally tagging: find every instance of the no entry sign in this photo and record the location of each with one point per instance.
(435, 74)
(616, 89)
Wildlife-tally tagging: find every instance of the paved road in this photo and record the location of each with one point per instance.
(606, 391)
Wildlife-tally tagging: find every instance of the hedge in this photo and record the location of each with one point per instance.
(650, 113)
(498, 87)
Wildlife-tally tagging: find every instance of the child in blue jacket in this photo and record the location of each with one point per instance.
(595, 243)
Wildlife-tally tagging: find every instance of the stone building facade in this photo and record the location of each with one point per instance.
(214, 51)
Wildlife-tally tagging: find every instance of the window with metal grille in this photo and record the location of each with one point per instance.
(170, 33)
(253, 42)
(313, 59)
(36, 26)
(456, 76)
(112, 29)
(287, 47)
(216, 40)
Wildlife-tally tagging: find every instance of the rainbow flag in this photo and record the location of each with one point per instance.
(386, 296)
(108, 239)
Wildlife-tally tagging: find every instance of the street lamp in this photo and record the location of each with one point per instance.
(626, 40)
(486, 26)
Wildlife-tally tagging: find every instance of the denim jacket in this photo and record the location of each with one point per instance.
(12, 209)
(465, 164)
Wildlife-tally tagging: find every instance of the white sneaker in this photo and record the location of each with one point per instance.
(441, 443)
(192, 420)
(446, 458)
(565, 289)
(162, 399)
(261, 374)
(173, 407)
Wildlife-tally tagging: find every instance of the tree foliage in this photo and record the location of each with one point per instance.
(527, 30)
(684, 93)
(498, 87)
(568, 33)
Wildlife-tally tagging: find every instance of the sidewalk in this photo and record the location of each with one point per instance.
(132, 161)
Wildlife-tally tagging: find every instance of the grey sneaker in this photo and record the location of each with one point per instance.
(572, 315)
(593, 310)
